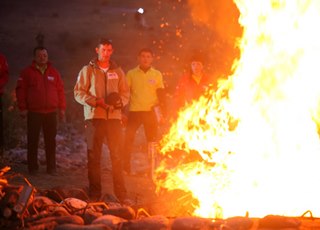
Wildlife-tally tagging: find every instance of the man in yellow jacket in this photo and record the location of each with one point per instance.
(145, 82)
(102, 89)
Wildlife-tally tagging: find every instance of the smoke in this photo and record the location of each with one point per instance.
(220, 16)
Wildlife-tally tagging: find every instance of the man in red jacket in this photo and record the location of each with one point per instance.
(40, 95)
(4, 77)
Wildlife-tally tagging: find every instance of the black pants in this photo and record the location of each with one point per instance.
(48, 123)
(96, 132)
(135, 120)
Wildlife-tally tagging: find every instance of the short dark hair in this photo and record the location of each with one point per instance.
(105, 41)
(38, 48)
(198, 56)
(147, 50)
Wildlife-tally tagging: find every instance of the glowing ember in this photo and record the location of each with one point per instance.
(252, 146)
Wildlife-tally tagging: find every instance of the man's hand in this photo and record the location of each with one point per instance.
(62, 116)
(100, 103)
(23, 114)
(124, 120)
(118, 105)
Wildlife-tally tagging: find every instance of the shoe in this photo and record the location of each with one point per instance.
(94, 198)
(52, 172)
(33, 172)
(128, 202)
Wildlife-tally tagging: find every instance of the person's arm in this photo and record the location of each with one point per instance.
(124, 89)
(61, 98)
(160, 83)
(4, 72)
(21, 91)
(61, 94)
(81, 88)
(179, 94)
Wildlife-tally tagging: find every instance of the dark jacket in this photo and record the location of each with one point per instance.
(4, 73)
(187, 89)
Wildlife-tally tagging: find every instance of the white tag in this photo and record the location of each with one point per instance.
(50, 78)
(112, 75)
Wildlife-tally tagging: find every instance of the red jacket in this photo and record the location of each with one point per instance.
(187, 89)
(4, 73)
(37, 92)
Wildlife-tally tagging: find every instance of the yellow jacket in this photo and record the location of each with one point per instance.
(143, 88)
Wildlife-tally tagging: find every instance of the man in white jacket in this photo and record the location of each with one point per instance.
(102, 89)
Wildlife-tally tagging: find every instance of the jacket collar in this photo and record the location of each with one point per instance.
(94, 63)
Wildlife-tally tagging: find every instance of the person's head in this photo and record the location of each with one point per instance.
(40, 55)
(104, 50)
(196, 67)
(145, 58)
(197, 63)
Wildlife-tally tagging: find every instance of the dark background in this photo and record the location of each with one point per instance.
(71, 29)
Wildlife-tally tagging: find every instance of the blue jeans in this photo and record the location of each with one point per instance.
(96, 132)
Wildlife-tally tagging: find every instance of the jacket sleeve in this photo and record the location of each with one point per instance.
(179, 94)
(61, 94)
(21, 91)
(160, 84)
(81, 88)
(4, 72)
(124, 89)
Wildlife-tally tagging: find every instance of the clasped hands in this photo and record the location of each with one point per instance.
(101, 103)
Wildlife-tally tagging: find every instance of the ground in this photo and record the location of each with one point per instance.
(72, 170)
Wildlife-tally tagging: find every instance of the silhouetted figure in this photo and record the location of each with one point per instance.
(4, 77)
(40, 39)
(141, 20)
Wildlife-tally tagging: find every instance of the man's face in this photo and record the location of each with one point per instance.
(41, 57)
(145, 60)
(104, 52)
(196, 67)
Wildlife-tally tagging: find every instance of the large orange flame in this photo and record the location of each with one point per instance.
(252, 146)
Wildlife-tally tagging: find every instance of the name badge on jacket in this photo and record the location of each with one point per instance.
(50, 78)
(112, 75)
(152, 81)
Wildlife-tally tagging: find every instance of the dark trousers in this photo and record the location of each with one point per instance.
(1, 128)
(48, 123)
(96, 132)
(135, 120)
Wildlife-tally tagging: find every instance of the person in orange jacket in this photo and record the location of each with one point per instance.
(192, 84)
(4, 77)
(40, 95)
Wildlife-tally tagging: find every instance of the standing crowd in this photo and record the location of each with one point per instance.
(112, 100)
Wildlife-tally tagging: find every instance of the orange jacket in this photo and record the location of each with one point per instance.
(187, 89)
